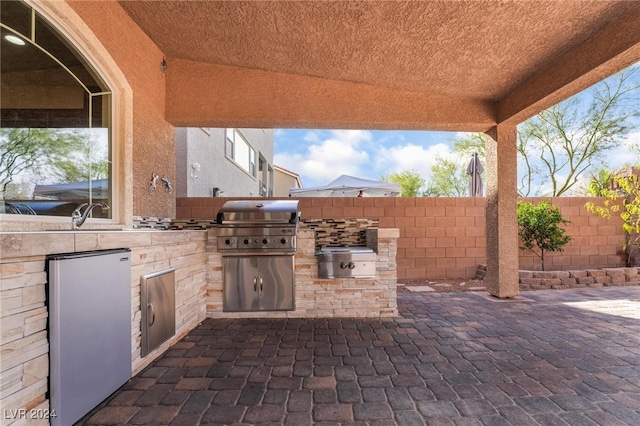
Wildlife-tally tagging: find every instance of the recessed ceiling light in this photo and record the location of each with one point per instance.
(15, 40)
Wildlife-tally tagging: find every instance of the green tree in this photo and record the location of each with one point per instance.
(448, 179)
(85, 165)
(599, 183)
(38, 151)
(539, 228)
(623, 199)
(561, 143)
(410, 182)
(449, 175)
(468, 144)
(33, 150)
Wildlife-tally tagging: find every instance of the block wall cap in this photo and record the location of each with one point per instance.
(388, 233)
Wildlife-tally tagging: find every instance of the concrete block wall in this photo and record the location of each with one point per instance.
(596, 242)
(24, 345)
(445, 237)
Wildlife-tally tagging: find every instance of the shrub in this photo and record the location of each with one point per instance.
(623, 199)
(539, 228)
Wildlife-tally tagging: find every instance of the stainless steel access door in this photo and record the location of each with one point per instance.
(276, 283)
(258, 283)
(158, 306)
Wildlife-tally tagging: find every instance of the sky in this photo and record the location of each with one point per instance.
(320, 156)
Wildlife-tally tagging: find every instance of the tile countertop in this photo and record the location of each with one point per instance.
(37, 243)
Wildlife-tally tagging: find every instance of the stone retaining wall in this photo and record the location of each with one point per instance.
(605, 277)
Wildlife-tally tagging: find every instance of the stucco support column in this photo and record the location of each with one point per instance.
(501, 212)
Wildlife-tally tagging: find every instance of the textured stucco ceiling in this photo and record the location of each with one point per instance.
(462, 49)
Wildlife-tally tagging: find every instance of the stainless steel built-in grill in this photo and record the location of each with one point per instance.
(258, 242)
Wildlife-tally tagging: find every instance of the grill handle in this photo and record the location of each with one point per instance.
(293, 220)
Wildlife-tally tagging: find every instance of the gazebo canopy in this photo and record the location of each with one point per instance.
(349, 186)
(97, 188)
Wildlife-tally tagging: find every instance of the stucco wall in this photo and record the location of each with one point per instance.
(283, 183)
(445, 237)
(206, 146)
(153, 137)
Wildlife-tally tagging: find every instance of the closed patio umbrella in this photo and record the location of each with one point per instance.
(474, 170)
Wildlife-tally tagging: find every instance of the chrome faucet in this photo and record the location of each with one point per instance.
(78, 218)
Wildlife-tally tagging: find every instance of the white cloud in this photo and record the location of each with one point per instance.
(325, 160)
(625, 154)
(412, 157)
(311, 137)
(352, 137)
(357, 153)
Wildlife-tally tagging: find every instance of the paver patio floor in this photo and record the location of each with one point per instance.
(546, 358)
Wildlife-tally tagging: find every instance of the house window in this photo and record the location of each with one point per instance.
(252, 162)
(239, 150)
(229, 146)
(55, 122)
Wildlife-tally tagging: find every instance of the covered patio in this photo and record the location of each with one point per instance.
(481, 66)
(569, 357)
(473, 66)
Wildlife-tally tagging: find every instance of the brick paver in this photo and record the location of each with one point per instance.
(548, 357)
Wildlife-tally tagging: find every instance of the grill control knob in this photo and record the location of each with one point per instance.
(228, 241)
(246, 241)
(265, 241)
(283, 241)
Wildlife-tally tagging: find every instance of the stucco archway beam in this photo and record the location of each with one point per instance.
(613, 48)
(208, 95)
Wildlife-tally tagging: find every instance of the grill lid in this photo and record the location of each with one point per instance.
(259, 213)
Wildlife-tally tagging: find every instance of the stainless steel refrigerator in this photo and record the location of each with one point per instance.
(89, 301)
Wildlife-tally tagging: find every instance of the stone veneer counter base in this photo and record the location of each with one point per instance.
(321, 298)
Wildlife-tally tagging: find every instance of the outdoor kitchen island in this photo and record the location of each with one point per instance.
(317, 297)
(198, 279)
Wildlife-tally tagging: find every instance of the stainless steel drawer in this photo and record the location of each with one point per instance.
(346, 262)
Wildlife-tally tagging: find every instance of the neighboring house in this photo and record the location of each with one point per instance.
(212, 162)
(627, 171)
(284, 181)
